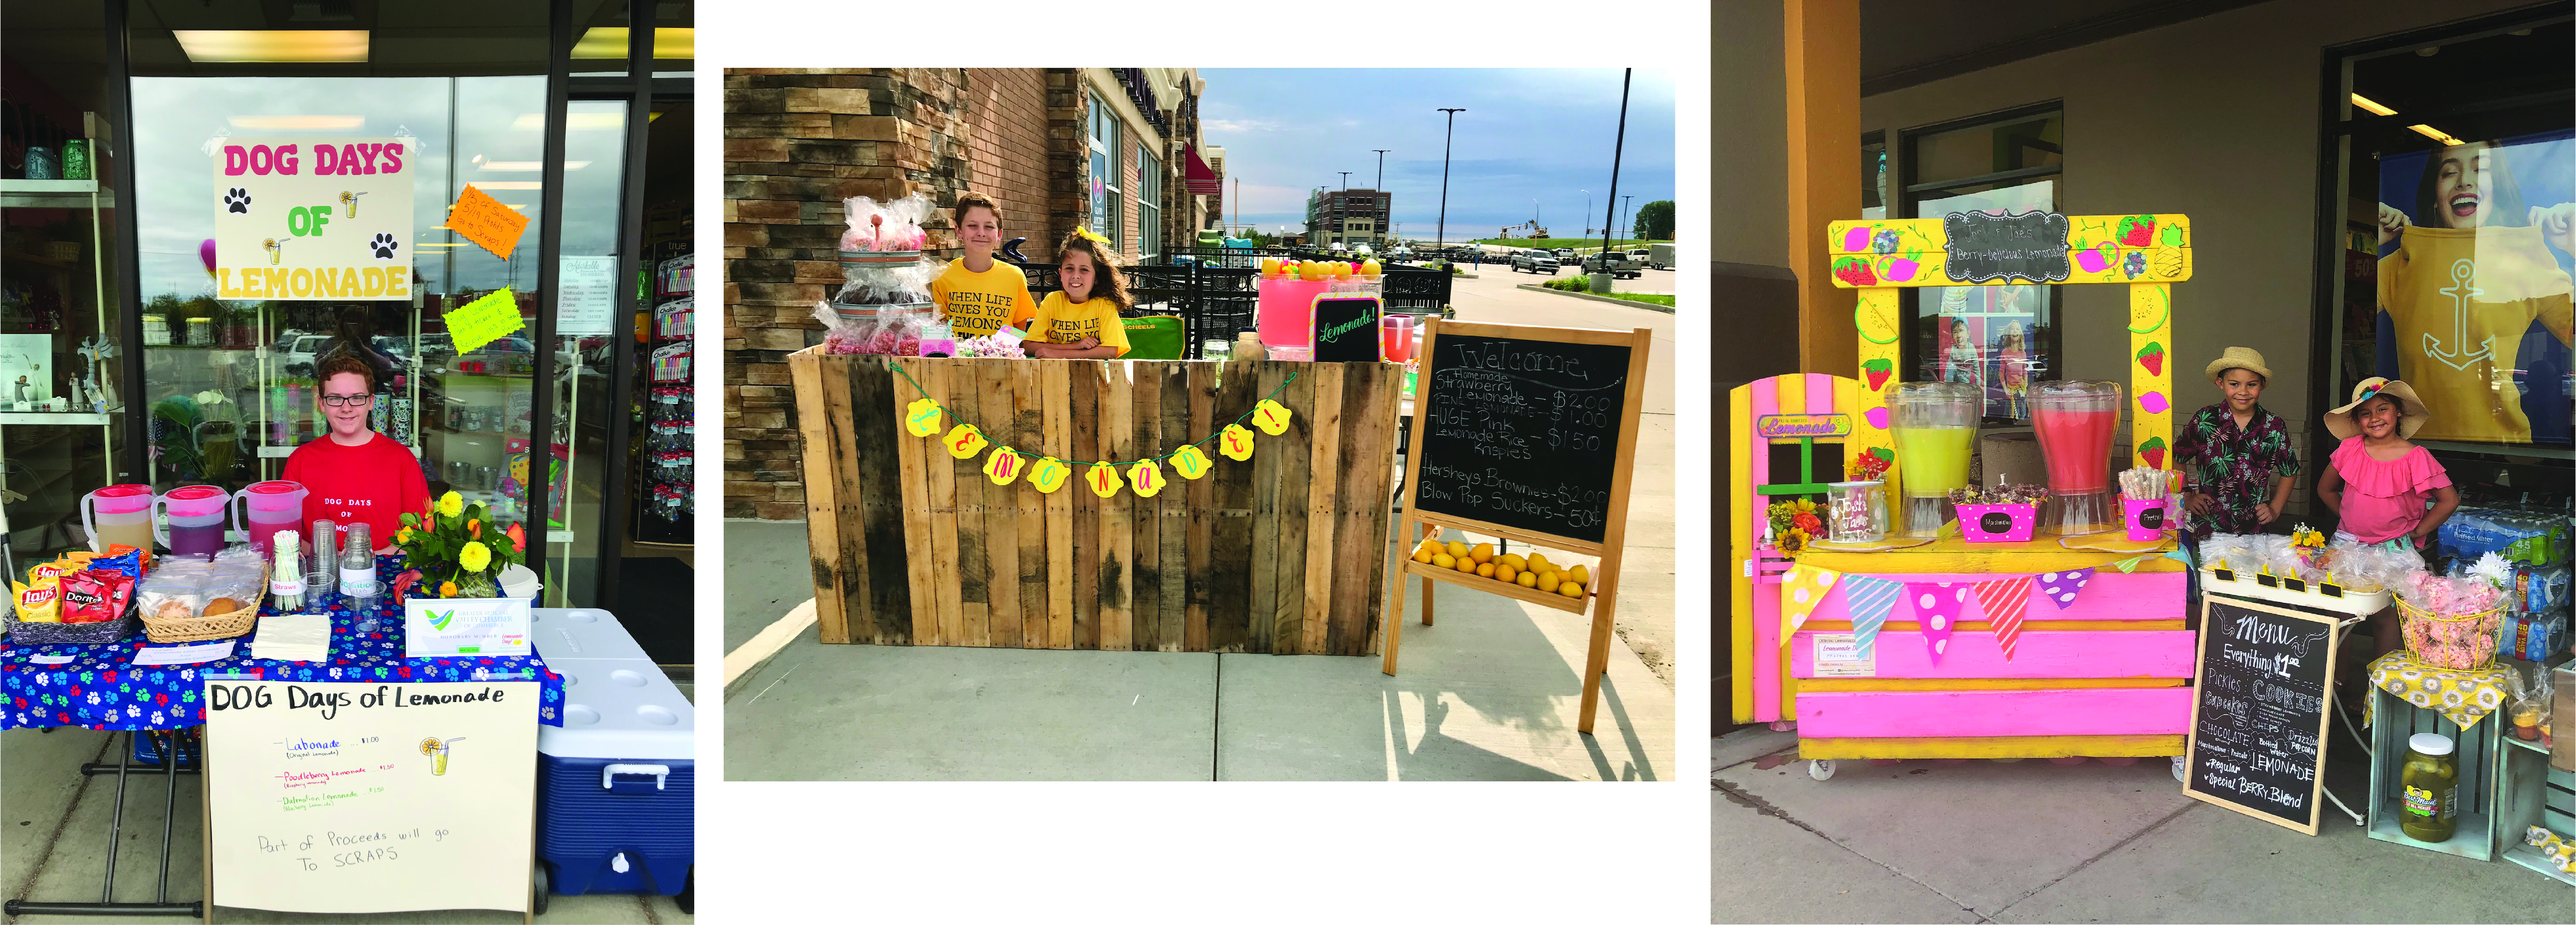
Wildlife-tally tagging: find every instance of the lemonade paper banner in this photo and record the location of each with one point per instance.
(483, 321)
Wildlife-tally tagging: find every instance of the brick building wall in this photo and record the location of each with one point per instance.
(797, 142)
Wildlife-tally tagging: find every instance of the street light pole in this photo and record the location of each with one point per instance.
(1445, 140)
(1380, 189)
(1625, 215)
(1587, 211)
(1617, 151)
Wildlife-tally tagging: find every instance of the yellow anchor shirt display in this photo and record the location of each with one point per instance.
(977, 304)
(1061, 321)
(2461, 299)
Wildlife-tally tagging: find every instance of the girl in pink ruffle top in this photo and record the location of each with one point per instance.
(2378, 481)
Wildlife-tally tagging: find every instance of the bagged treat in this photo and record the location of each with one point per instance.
(888, 226)
(172, 593)
(41, 603)
(2228, 551)
(233, 585)
(2370, 567)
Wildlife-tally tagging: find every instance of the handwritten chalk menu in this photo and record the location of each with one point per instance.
(1346, 330)
(349, 798)
(2031, 246)
(1521, 433)
(2258, 717)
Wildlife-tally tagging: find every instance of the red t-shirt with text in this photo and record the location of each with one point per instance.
(371, 483)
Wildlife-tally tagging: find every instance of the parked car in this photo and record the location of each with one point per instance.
(1566, 255)
(1660, 256)
(1618, 265)
(1534, 261)
(297, 356)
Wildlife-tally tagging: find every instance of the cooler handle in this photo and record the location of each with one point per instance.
(608, 775)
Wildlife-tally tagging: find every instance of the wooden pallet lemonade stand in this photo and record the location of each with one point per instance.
(2100, 676)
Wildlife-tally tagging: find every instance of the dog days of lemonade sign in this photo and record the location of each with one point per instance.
(312, 218)
(480, 626)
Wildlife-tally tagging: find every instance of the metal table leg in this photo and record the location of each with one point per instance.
(124, 769)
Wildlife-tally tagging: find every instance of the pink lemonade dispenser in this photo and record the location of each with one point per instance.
(1286, 313)
(2075, 419)
(118, 515)
(200, 515)
(267, 507)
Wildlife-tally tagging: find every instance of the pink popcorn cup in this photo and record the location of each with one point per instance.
(1997, 523)
(2146, 518)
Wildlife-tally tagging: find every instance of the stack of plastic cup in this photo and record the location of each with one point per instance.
(322, 569)
(1935, 428)
(2075, 419)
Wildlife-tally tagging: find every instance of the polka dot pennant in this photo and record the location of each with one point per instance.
(1936, 607)
(2060, 587)
(1800, 591)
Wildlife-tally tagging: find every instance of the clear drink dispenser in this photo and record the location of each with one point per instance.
(1935, 428)
(267, 507)
(199, 517)
(118, 515)
(2075, 419)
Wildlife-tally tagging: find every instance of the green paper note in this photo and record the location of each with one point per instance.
(483, 321)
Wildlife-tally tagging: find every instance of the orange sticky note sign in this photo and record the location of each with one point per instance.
(486, 222)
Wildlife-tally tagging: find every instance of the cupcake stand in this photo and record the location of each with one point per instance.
(2067, 645)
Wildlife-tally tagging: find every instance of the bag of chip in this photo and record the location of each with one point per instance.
(48, 571)
(115, 549)
(88, 599)
(129, 564)
(40, 603)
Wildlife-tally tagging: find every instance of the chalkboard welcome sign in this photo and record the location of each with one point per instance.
(2258, 715)
(1983, 246)
(1522, 433)
(1346, 329)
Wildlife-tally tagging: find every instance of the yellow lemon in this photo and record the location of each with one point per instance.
(1457, 549)
(1504, 571)
(1538, 563)
(1484, 552)
(1422, 555)
(1485, 570)
(1570, 589)
(1527, 579)
(1579, 575)
(1547, 581)
(1467, 565)
(1514, 560)
(1430, 544)
(1443, 561)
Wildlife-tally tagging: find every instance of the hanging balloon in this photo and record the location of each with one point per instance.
(206, 254)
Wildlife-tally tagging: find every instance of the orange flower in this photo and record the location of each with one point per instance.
(518, 538)
(447, 589)
(474, 528)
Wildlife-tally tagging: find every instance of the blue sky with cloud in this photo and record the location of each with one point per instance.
(1528, 134)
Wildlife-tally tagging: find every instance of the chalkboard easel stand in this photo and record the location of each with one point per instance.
(1418, 523)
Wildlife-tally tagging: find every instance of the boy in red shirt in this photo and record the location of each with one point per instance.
(353, 474)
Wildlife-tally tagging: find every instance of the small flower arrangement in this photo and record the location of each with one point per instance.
(1794, 524)
(2000, 494)
(1870, 467)
(2303, 535)
(454, 544)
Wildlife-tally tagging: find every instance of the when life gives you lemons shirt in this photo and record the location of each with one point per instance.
(977, 304)
(1060, 321)
(2461, 299)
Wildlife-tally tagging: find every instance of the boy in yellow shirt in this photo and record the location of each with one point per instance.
(977, 294)
(1081, 321)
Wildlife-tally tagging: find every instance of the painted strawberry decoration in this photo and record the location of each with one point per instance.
(2152, 356)
(1879, 370)
(1854, 271)
(2137, 231)
(2153, 451)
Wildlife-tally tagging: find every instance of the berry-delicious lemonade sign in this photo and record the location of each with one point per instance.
(312, 218)
(1523, 433)
(348, 798)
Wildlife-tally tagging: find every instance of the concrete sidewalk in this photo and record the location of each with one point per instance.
(2034, 841)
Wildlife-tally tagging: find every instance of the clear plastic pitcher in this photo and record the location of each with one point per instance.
(199, 516)
(118, 515)
(267, 507)
(2075, 419)
(1935, 428)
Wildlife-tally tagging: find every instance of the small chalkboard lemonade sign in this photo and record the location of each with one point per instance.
(2258, 713)
(1346, 329)
(1529, 435)
(1983, 246)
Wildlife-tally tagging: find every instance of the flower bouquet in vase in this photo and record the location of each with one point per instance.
(458, 608)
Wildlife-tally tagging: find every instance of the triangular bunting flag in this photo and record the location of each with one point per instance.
(1937, 605)
(2003, 601)
(1800, 591)
(2060, 587)
(1869, 600)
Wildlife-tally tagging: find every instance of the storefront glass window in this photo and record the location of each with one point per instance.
(1999, 339)
(1873, 176)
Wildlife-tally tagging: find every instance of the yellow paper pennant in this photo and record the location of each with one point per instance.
(1049, 473)
(1236, 443)
(1147, 477)
(963, 442)
(1190, 461)
(922, 417)
(1271, 417)
(1103, 479)
(1004, 466)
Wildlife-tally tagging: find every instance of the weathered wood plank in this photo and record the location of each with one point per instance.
(1231, 547)
(876, 476)
(1084, 412)
(1028, 432)
(1144, 438)
(1296, 448)
(1362, 511)
(1269, 460)
(1117, 512)
(1174, 504)
(913, 455)
(1001, 507)
(1201, 498)
(970, 565)
(1323, 491)
(1056, 404)
(826, 438)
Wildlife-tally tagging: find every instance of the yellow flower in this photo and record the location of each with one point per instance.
(451, 504)
(447, 589)
(1794, 541)
(474, 557)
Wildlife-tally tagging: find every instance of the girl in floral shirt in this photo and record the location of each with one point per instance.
(2242, 456)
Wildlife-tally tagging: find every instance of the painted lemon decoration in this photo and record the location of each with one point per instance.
(1103, 479)
(1271, 416)
(1191, 462)
(1235, 443)
(1048, 474)
(1004, 466)
(963, 442)
(1147, 478)
(921, 418)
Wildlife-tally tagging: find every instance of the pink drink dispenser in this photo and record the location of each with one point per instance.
(199, 517)
(271, 507)
(2075, 420)
(118, 515)
(1395, 334)
(1286, 312)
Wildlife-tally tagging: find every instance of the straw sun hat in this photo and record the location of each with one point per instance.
(2411, 413)
(2244, 358)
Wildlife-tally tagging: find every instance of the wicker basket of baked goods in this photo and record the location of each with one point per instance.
(192, 601)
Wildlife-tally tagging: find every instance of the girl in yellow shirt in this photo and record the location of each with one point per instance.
(1080, 322)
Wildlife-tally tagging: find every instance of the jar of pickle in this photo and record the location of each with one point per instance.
(1855, 513)
(2428, 805)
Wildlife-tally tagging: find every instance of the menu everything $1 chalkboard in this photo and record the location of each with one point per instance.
(2258, 716)
(1522, 433)
(1982, 246)
(1346, 329)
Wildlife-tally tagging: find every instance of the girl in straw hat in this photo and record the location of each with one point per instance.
(2378, 481)
(2242, 452)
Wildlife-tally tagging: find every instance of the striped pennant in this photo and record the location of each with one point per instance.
(2004, 600)
(1868, 600)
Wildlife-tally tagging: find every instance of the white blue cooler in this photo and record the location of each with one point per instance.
(617, 783)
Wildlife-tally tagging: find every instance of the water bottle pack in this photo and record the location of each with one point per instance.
(2521, 535)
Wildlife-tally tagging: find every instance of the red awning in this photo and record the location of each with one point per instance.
(1201, 179)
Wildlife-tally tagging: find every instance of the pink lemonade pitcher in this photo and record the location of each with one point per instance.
(118, 515)
(1395, 334)
(200, 515)
(268, 507)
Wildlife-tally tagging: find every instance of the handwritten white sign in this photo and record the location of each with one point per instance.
(351, 798)
(479, 626)
(325, 219)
